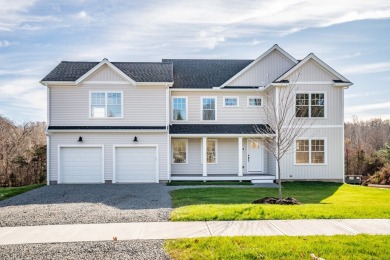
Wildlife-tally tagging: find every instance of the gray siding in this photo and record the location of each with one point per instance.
(144, 105)
(108, 140)
(334, 154)
(311, 71)
(105, 74)
(225, 115)
(264, 71)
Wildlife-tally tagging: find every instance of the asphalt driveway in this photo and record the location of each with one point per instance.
(87, 204)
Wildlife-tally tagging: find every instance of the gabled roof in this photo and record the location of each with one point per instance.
(220, 129)
(193, 73)
(262, 56)
(69, 71)
(318, 61)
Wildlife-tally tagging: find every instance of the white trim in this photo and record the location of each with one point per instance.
(315, 126)
(48, 96)
(310, 105)
(311, 83)
(164, 84)
(260, 142)
(167, 104)
(319, 62)
(109, 131)
(204, 158)
(101, 64)
(48, 159)
(240, 164)
(133, 146)
(172, 108)
(58, 83)
(172, 150)
(343, 136)
(275, 47)
(277, 133)
(257, 97)
(59, 179)
(216, 151)
(217, 89)
(220, 135)
(215, 108)
(168, 154)
(310, 151)
(231, 97)
(106, 104)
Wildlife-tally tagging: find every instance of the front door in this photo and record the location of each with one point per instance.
(255, 156)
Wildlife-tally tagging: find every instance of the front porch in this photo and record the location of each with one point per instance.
(221, 158)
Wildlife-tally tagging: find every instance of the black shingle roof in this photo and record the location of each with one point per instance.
(220, 129)
(138, 71)
(204, 73)
(106, 127)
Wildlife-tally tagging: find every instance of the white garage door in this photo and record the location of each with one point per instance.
(135, 164)
(81, 165)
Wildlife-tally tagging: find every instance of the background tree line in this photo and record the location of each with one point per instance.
(367, 149)
(22, 153)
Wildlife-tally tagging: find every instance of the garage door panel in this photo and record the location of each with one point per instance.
(135, 164)
(81, 164)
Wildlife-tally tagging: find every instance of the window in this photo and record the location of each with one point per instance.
(310, 105)
(179, 108)
(180, 151)
(310, 151)
(230, 101)
(254, 101)
(208, 108)
(211, 151)
(106, 105)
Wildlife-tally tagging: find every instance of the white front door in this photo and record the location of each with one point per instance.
(255, 157)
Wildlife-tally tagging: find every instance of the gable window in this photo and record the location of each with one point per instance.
(106, 104)
(209, 108)
(254, 101)
(310, 105)
(211, 151)
(179, 108)
(180, 150)
(310, 151)
(230, 101)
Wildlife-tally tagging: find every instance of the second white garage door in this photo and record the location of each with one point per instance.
(135, 164)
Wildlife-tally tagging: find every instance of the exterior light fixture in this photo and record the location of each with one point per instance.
(80, 140)
(135, 139)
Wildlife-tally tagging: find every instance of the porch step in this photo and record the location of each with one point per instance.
(262, 181)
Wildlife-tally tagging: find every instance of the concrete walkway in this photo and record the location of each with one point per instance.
(172, 230)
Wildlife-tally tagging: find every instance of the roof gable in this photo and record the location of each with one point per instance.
(105, 73)
(312, 62)
(274, 50)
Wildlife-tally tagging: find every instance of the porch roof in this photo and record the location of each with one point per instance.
(220, 129)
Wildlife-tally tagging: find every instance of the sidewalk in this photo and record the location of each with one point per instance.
(172, 230)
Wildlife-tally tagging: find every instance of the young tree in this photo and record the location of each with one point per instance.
(287, 117)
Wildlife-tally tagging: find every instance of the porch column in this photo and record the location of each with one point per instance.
(240, 156)
(204, 155)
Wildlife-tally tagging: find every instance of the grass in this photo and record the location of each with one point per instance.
(281, 247)
(320, 201)
(6, 193)
(191, 183)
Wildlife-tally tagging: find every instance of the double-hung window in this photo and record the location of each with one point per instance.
(254, 101)
(179, 108)
(310, 151)
(209, 106)
(310, 105)
(211, 155)
(180, 151)
(106, 105)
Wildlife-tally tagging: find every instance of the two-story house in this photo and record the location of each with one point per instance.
(188, 119)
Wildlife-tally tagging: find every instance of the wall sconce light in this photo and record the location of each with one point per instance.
(80, 139)
(135, 139)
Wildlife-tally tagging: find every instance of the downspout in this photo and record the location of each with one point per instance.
(47, 135)
(167, 116)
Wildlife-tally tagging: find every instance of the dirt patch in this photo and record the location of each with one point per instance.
(272, 200)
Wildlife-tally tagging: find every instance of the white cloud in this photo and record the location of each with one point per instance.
(5, 44)
(84, 16)
(367, 107)
(367, 68)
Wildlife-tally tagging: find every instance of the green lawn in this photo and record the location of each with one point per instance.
(6, 193)
(320, 200)
(190, 183)
(281, 247)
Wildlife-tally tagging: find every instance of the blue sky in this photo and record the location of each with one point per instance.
(351, 36)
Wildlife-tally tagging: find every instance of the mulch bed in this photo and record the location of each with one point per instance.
(272, 200)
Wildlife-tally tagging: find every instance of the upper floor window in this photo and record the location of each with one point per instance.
(310, 105)
(180, 150)
(230, 101)
(310, 151)
(179, 108)
(254, 101)
(106, 105)
(209, 108)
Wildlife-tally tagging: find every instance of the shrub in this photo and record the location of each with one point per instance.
(381, 177)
